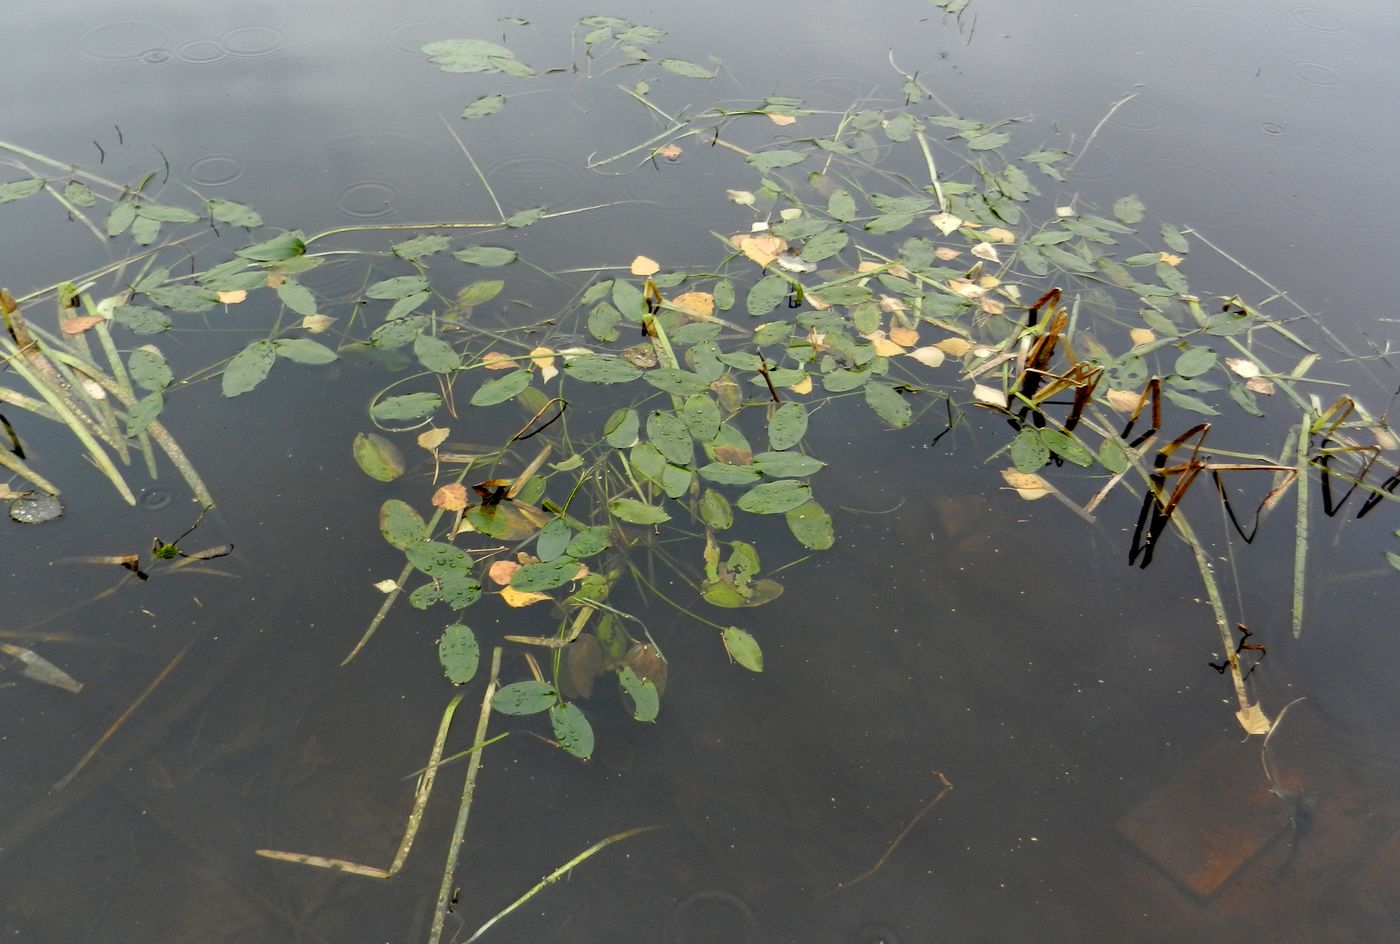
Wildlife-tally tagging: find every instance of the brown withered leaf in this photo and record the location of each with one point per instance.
(954, 347)
(671, 152)
(644, 660)
(733, 455)
(1027, 484)
(451, 497)
(985, 250)
(1262, 385)
(583, 663)
(945, 222)
(80, 324)
(501, 571)
(317, 324)
(495, 360)
(998, 235)
(782, 121)
(1142, 335)
(928, 356)
(1124, 401)
(947, 253)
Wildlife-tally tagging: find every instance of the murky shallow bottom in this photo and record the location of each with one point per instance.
(1006, 646)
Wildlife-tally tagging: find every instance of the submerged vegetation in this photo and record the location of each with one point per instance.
(893, 256)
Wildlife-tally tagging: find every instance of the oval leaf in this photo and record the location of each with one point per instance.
(248, 368)
(459, 654)
(525, 698)
(572, 730)
(743, 648)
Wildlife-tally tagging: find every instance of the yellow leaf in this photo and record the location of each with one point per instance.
(782, 121)
(905, 337)
(986, 251)
(1261, 385)
(501, 571)
(965, 288)
(1124, 401)
(992, 396)
(543, 358)
(998, 235)
(317, 324)
(1170, 259)
(928, 356)
(947, 253)
(1142, 336)
(79, 324)
(867, 265)
(1063, 212)
(789, 214)
(275, 279)
(762, 249)
(1027, 484)
(888, 304)
(671, 152)
(991, 305)
(741, 197)
(803, 386)
(386, 586)
(430, 439)
(495, 360)
(516, 598)
(644, 266)
(954, 347)
(883, 345)
(698, 305)
(945, 222)
(232, 298)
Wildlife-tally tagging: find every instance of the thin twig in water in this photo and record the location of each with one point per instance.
(554, 876)
(470, 160)
(1098, 127)
(879, 863)
(130, 710)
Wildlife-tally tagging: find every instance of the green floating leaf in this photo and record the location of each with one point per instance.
(1067, 447)
(148, 368)
(161, 213)
(410, 406)
(485, 105)
(701, 417)
(525, 698)
(1194, 361)
(398, 287)
(597, 368)
(501, 389)
(297, 297)
(888, 404)
(841, 206)
(1174, 240)
(141, 320)
(637, 512)
(646, 702)
(765, 295)
(715, 510)
(474, 55)
(234, 214)
(79, 193)
(19, 189)
(676, 381)
(304, 351)
(1029, 453)
(554, 538)
(1129, 209)
(139, 417)
(145, 231)
(687, 69)
(436, 354)
(1113, 456)
(775, 498)
(120, 217)
(668, 433)
(420, 246)
(459, 590)
(438, 558)
(787, 426)
(377, 457)
(786, 465)
(766, 161)
(572, 730)
(824, 245)
(486, 255)
(545, 575)
(459, 654)
(400, 525)
(622, 429)
(525, 218)
(183, 297)
(724, 473)
(248, 368)
(989, 141)
(478, 293)
(811, 525)
(277, 249)
(588, 542)
(743, 648)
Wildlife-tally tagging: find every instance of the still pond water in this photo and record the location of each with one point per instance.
(1103, 790)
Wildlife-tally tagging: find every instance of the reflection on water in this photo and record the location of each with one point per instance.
(953, 630)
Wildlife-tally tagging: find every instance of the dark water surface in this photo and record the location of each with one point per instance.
(953, 628)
